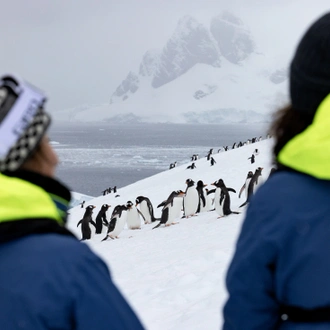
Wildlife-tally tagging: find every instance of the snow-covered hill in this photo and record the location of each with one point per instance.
(174, 277)
(203, 74)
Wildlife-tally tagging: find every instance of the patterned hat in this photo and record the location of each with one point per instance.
(23, 121)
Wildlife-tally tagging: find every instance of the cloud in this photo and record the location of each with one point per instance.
(79, 51)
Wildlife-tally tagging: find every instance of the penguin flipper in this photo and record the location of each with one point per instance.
(79, 222)
(161, 204)
(244, 203)
(144, 219)
(93, 223)
(232, 190)
(157, 225)
(105, 238)
(240, 192)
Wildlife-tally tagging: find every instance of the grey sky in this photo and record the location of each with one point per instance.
(78, 51)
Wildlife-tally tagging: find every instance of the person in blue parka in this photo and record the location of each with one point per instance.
(279, 277)
(48, 279)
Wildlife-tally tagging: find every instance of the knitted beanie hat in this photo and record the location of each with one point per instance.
(310, 67)
(23, 121)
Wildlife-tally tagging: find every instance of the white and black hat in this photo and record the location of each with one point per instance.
(23, 121)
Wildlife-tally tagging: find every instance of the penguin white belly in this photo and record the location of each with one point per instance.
(145, 211)
(133, 219)
(191, 201)
(208, 203)
(218, 207)
(120, 224)
(174, 211)
(257, 185)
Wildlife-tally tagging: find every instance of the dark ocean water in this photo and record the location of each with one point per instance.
(94, 157)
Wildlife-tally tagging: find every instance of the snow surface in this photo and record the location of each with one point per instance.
(173, 277)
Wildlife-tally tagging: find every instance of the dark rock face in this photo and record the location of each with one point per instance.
(128, 86)
(190, 44)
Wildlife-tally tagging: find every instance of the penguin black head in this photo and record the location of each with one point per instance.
(139, 200)
(190, 182)
(200, 184)
(250, 174)
(89, 209)
(105, 207)
(129, 204)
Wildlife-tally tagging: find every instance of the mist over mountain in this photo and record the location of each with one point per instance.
(203, 74)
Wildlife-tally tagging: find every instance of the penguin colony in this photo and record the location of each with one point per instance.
(195, 199)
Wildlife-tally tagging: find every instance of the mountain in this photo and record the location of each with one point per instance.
(173, 276)
(203, 74)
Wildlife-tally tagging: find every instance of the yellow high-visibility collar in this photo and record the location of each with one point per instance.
(309, 151)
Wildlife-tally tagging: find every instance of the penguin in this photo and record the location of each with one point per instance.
(101, 218)
(146, 209)
(253, 185)
(222, 199)
(202, 196)
(172, 165)
(171, 209)
(246, 184)
(192, 166)
(212, 161)
(82, 204)
(191, 199)
(87, 218)
(117, 222)
(133, 217)
(252, 158)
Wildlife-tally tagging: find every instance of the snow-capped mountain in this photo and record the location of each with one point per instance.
(203, 74)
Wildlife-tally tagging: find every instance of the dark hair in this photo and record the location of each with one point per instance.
(287, 123)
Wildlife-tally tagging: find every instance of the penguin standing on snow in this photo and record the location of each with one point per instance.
(253, 185)
(209, 199)
(246, 184)
(117, 222)
(146, 209)
(191, 199)
(171, 208)
(222, 199)
(133, 217)
(202, 196)
(85, 221)
(101, 218)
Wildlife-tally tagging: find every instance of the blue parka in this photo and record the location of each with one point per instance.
(282, 254)
(48, 279)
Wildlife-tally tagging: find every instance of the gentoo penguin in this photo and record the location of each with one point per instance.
(252, 158)
(222, 199)
(146, 209)
(171, 209)
(191, 167)
(87, 218)
(117, 222)
(253, 185)
(212, 161)
(246, 184)
(101, 218)
(133, 217)
(191, 199)
(202, 196)
(172, 165)
(82, 204)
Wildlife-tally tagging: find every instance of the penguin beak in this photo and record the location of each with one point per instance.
(205, 185)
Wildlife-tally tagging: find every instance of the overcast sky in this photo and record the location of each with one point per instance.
(79, 51)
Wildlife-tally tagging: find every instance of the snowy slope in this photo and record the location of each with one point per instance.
(174, 277)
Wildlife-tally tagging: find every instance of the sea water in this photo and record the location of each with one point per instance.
(94, 157)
